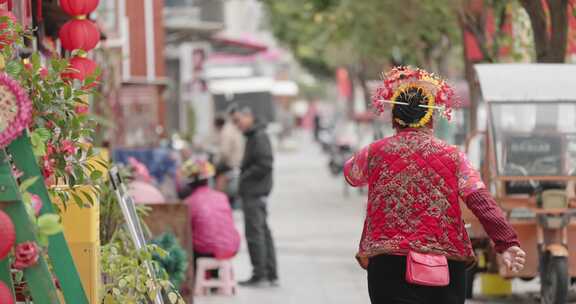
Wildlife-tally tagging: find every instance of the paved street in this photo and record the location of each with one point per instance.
(317, 231)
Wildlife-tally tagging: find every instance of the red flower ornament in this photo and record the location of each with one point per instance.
(43, 73)
(81, 109)
(7, 36)
(36, 204)
(26, 255)
(15, 110)
(67, 147)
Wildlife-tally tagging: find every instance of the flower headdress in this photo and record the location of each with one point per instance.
(401, 80)
(198, 169)
(15, 110)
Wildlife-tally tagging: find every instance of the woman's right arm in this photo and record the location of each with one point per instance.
(484, 207)
(480, 201)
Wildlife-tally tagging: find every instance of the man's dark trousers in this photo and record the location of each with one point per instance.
(259, 238)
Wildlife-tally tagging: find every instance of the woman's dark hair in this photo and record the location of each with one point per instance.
(412, 112)
(189, 188)
(219, 122)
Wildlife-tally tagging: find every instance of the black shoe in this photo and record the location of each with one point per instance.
(274, 282)
(254, 282)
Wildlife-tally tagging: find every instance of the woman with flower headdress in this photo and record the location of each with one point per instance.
(414, 243)
(213, 231)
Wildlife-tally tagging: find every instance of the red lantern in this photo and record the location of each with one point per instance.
(5, 294)
(7, 37)
(79, 34)
(7, 235)
(80, 68)
(78, 7)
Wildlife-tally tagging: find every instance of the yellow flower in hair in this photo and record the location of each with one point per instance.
(431, 102)
(198, 169)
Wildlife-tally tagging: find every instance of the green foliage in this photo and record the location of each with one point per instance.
(126, 276)
(328, 33)
(47, 224)
(111, 217)
(39, 138)
(61, 134)
(175, 263)
(124, 271)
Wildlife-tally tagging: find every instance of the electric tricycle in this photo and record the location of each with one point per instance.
(527, 156)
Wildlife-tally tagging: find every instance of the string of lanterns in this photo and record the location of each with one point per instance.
(76, 34)
(79, 34)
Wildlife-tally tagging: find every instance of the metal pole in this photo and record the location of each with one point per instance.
(134, 228)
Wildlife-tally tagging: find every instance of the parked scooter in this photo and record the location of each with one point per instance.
(340, 152)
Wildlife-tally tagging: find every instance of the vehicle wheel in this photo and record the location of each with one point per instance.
(527, 279)
(555, 280)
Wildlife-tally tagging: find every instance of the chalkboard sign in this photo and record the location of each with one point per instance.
(533, 155)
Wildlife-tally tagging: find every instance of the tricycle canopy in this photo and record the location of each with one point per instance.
(532, 118)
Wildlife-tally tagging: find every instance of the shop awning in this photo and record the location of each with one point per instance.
(285, 88)
(241, 85)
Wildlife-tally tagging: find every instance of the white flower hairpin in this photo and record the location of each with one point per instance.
(406, 104)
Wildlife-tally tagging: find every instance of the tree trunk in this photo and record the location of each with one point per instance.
(472, 84)
(537, 16)
(550, 44)
(549, 47)
(364, 84)
(475, 95)
(350, 101)
(559, 32)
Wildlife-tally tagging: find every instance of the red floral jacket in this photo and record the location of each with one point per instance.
(415, 185)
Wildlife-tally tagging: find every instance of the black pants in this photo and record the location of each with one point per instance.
(387, 284)
(259, 238)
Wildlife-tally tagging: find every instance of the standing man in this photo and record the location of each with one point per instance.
(254, 188)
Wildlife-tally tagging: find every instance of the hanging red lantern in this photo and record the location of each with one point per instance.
(7, 235)
(5, 294)
(8, 36)
(78, 7)
(79, 34)
(79, 68)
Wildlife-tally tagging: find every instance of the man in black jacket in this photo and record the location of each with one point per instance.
(254, 188)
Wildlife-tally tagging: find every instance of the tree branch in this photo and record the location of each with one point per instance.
(476, 27)
(502, 13)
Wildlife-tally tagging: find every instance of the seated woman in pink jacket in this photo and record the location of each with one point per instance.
(213, 230)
